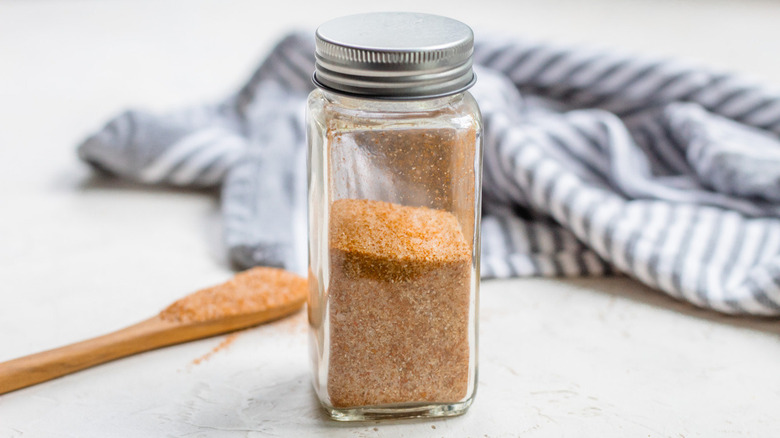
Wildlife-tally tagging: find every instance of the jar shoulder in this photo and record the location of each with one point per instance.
(325, 109)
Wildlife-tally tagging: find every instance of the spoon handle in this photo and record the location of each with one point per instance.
(40, 367)
(147, 335)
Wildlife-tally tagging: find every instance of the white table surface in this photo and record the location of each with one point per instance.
(81, 255)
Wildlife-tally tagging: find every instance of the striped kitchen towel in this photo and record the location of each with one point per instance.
(595, 162)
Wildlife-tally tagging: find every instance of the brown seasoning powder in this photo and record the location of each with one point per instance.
(229, 339)
(253, 290)
(399, 295)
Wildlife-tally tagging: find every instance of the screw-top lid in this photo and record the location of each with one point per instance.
(394, 55)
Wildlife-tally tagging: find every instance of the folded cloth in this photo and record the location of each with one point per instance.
(595, 162)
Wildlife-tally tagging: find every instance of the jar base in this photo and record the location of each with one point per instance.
(370, 413)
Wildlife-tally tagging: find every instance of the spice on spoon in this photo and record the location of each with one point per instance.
(250, 291)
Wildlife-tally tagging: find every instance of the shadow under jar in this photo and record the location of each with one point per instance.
(395, 168)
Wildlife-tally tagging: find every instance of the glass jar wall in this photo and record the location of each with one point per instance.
(394, 203)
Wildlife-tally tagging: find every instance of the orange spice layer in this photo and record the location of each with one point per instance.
(399, 297)
(253, 290)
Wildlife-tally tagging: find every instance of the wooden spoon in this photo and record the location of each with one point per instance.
(252, 297)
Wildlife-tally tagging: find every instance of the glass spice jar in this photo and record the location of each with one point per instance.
(395, 171)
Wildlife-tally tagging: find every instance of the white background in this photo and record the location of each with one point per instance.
(82, 255)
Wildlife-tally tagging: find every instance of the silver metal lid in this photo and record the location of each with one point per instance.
(394, 55)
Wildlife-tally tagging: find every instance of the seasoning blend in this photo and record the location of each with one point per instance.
(395, 169)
